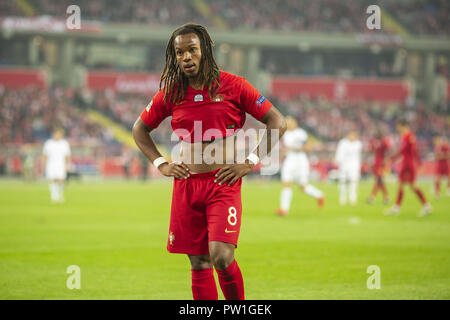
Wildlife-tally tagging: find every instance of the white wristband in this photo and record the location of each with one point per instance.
(253, 158)
(159, 161)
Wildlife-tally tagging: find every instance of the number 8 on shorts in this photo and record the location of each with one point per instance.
(232, 219)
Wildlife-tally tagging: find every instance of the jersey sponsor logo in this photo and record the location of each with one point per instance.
(198, 98)
(229, 231)
(231, 126)
(260, 101)
(149, 106)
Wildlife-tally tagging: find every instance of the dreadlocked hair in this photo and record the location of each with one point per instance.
(174, 81)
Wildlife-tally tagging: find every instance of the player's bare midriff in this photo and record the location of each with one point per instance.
(209, 155)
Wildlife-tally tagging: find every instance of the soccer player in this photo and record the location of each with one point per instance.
(410, 159)
(295, 167)
(56, 159)
(379, 146)
(442, 156)
(206, 208)
(348, 159)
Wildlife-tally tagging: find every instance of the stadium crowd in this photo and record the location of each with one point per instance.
(327, 120)
(122, 108)
(416, 16)
(331, 120)
(28, 115)
(335, 64)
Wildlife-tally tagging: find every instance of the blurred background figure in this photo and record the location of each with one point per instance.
(348, 159)
(295, 167)
(28, 162)
(409, 165)
(144, 166)
(442, 157)
(126, 160)
(338, 77)
(56, 160)
(379, 146)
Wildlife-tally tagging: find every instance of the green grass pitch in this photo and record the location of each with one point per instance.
(116, 232)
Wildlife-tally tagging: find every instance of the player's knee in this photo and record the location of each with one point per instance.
(200, 262)
(222, 260)
(221, 257)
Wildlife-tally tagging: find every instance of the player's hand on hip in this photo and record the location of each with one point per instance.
(233, 172)
(177, 170)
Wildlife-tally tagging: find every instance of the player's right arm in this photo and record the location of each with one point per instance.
(150, 118)
(44, 157)
(339, 152)
(68, 158)
(44, 162)
(141, 135)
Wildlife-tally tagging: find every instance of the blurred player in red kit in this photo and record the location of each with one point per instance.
(379, 146)
(410, 160)
(206, 208)
(442, 156)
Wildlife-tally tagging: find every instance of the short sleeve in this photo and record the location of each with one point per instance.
(252, 102)
(156, 111)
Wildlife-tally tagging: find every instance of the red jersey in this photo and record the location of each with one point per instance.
(442, 153)
(409, 151)
(380, 147)
(442, 156)
(199, 117)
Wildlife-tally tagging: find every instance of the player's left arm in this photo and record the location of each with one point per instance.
(43, 163)
(68, 158)
(306, 147)
(415, 150)
(68, 162)
(443, 153)
(252, 102)
(275, 128)
(44, 157)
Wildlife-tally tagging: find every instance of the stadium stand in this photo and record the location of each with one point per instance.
(329, 16)
(29, 114)
(88, 112)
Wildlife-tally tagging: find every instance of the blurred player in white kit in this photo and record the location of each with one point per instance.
(348, 159)
(295, 167)
(56, 159)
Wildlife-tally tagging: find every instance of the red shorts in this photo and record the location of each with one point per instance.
(407, 174)
(203, 211)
